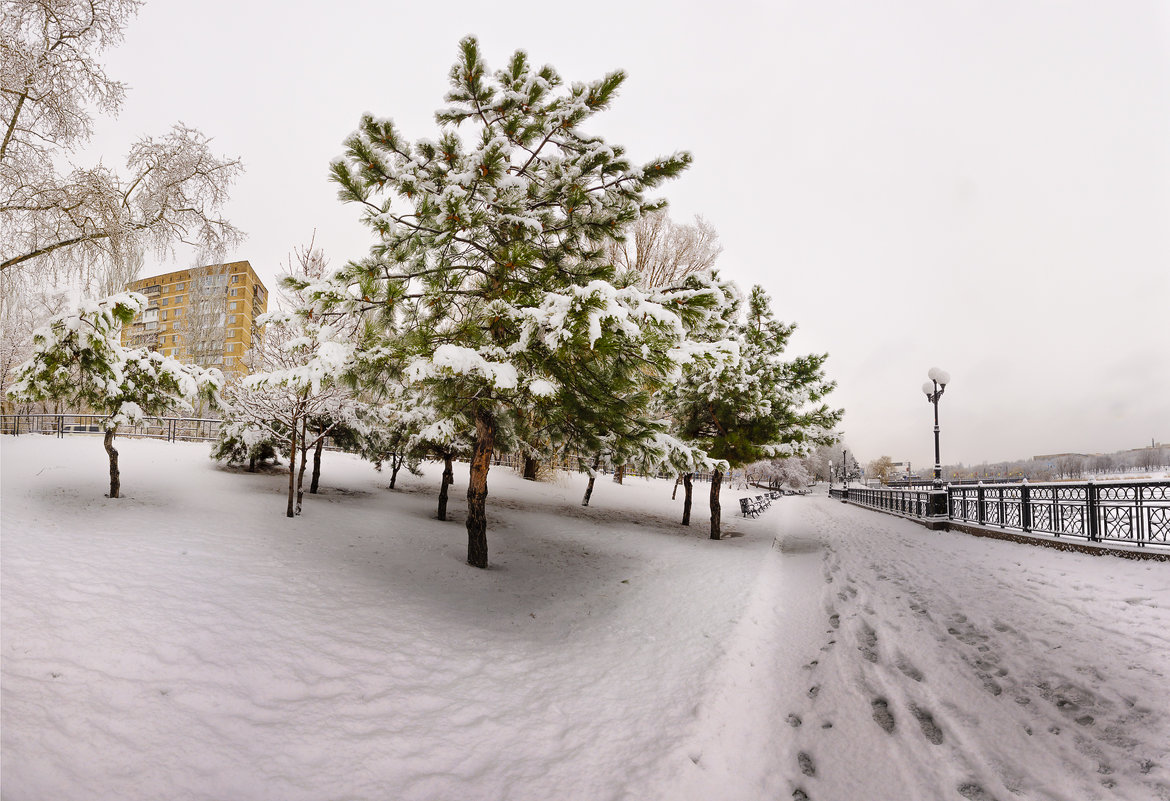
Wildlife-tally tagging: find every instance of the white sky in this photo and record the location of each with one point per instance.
(979, 186)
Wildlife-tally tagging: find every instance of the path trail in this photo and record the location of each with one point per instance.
(895, 662)
(189, 642)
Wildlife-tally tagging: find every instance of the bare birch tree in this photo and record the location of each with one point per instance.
(663, 251)
(79, 222)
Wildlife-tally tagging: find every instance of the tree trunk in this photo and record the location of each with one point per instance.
(716, 509)
(304, 462)
(252, 463)
(477, 490)
(592, 479)
(395, 466)
(687, 487)
(674, 493)
(530, 467)
(115, 474)
(292, 470)
(317, 465)
(448, 480)
(619, 473)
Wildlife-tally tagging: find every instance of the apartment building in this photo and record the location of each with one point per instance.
(201, 315)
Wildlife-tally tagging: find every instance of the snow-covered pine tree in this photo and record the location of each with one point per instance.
(78, 360)
(489, 277)
(758, 407)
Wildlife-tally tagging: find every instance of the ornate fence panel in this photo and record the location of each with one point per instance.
(1133, 513)
(1137, 513)
(914, 503)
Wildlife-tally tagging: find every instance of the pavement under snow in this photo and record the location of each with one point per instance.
(190, 642)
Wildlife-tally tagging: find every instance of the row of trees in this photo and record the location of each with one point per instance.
(503, 307)
(1068, 466)
(1053, 468)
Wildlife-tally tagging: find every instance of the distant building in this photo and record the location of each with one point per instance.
(201, 315)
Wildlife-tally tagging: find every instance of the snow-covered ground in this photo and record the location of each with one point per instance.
(190, 642)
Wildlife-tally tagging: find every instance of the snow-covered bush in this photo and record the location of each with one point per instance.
(239, 442)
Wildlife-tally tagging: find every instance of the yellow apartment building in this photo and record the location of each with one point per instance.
(201, 315)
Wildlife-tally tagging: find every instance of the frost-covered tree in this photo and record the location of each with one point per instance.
(79, 221)
(489, 277)
(664, 252)
(881, 468)
(78, 359)
(301, 385)
(780, 474)
(759, 406)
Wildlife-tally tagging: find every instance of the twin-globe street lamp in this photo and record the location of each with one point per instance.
(934, 389)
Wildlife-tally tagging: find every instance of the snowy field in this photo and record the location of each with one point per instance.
(190, 642)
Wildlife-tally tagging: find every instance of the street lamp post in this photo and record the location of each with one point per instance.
(934, 389)
(844, 471)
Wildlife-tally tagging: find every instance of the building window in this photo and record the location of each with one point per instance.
(164, 301)
(178, 313)
(235, 279)
(179, 287)
(164, 313)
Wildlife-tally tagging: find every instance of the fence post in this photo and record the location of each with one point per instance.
(1025, 506)
(980, 511)
(1091, 512)
(938, 505)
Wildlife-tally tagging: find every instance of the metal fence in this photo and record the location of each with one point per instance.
(172, 429)
(1132, 512)
(915, 503)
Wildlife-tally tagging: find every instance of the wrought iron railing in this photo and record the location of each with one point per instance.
(913, 502)
(1135, 512)
(1131, 512)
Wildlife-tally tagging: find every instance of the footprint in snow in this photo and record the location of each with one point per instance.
(989, 684)
(794, 721)
(882, 715)
(908, 669)
(868, 645)
(806, 764)
(930, 729)
(973, 792)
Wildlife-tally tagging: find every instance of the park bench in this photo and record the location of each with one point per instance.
(753, 506)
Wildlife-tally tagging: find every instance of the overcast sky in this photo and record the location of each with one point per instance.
(984, 186)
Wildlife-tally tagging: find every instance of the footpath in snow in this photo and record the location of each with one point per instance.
(189, 642)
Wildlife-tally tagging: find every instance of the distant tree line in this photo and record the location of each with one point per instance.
(1058, 467)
